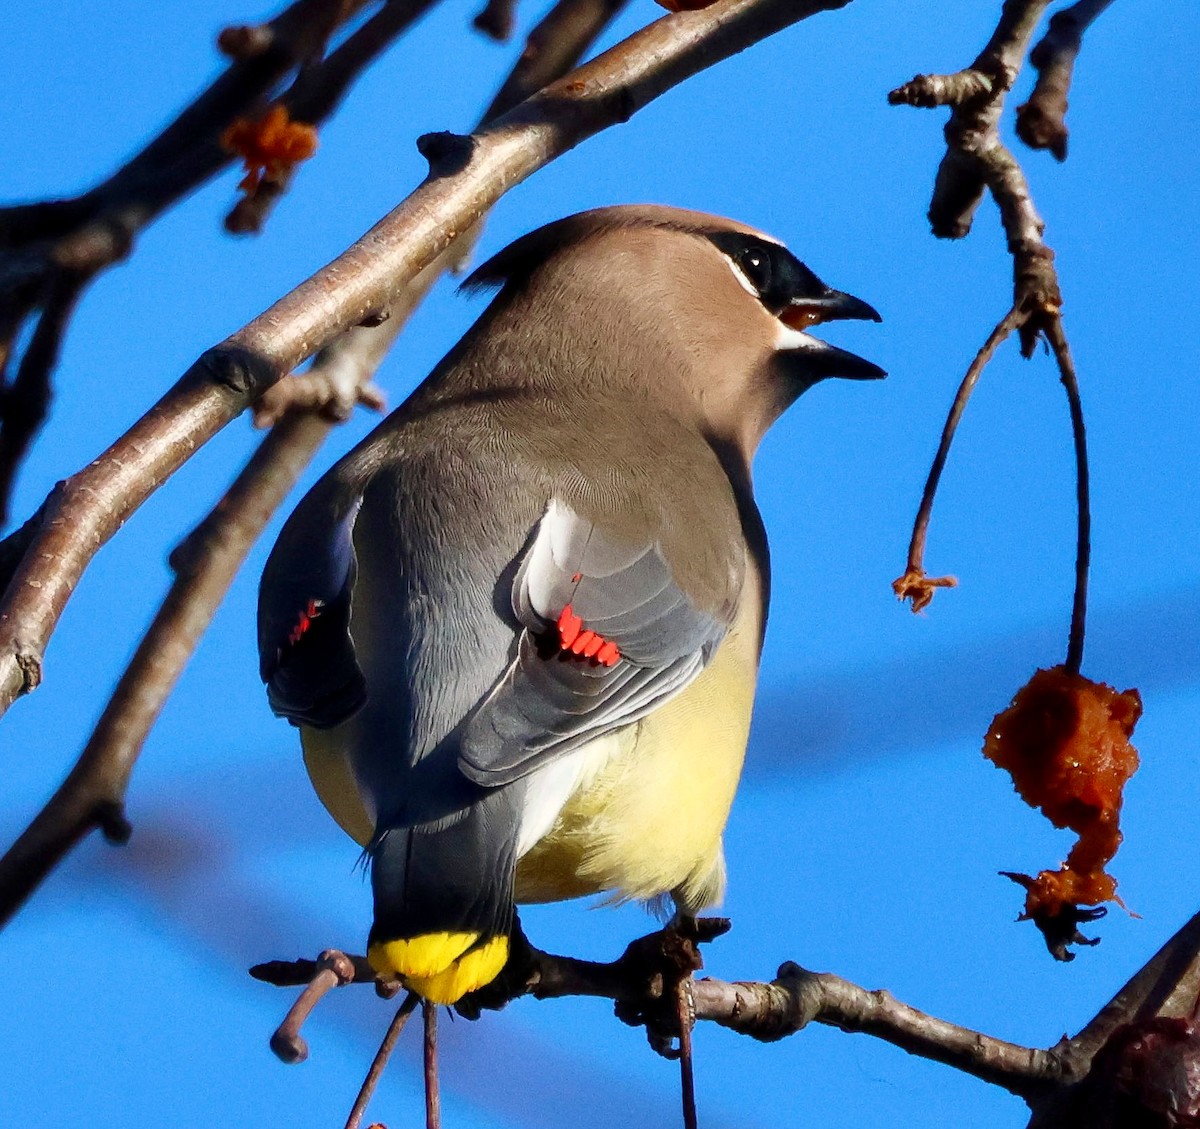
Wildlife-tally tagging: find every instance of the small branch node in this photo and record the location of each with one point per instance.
(113, 823)
(497, 19)
(30, 664)
(375, 318)
(245, 41)
(332, 969)
(928, 91)
(1041, 122)
(243, 371)
(447, 153)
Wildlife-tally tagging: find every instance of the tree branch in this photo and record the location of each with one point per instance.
(25, 402)
(1041, 122)
(1058, 1083)
(317, 92)
(397, 1025)
(977, 160)
(187, 151)
(640, 983)
(58, 247)
(976, 96)
(86, 509)
(554, 46)
(496, 19)
(205, 564)
(914, 585)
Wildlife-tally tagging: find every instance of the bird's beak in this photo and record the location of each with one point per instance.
(822, 359)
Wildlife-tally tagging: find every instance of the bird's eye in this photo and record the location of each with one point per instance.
(755, 264)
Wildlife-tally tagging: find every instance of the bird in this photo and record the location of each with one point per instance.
(519, 625)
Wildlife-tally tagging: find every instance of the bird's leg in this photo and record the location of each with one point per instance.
(433, 1107)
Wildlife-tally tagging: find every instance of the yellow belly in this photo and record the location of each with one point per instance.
(649, 822)
(648, 817)
(333, 780)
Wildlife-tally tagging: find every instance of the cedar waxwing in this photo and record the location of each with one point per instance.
(519, 625)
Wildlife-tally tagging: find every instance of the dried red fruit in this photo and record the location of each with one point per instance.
(1147, 1074)
(1065, 741)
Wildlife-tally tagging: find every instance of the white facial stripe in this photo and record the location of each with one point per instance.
(788, 338)
(742, 279)
(737, 271)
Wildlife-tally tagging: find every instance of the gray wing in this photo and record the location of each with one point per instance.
(608, 635)
(306, 654)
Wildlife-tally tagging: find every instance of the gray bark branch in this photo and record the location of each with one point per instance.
(1042, 121)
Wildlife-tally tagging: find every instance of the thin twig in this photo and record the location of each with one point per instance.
(554, 46)
(760, 1010)
(187, 151)
(319, 89)
(1052, 1081)
(296, 973)
(58, 247)
(686, 1010)
(471, 175)
(1083, 507)
(976, 96)
(433, 1101)
(1041, 122)
(798, 997)
(205, 564)
(25, 402)
(914, 585)
(977, 160)
(496, 19)
(332, 970)
(380, 1060)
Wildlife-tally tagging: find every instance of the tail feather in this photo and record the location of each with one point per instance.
(444, 900)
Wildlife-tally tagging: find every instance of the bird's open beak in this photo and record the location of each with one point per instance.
(828, 360)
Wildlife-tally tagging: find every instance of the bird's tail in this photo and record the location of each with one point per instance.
(443, 903)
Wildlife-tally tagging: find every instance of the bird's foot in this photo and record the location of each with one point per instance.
(650, 981)
(519, 977)
(661, 966)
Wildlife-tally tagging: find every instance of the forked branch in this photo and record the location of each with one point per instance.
(977, 160)
(1061, 1084)
(50, 251)
(358, 286)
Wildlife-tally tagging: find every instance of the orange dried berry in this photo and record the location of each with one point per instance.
(1065, 742)
(270, 146)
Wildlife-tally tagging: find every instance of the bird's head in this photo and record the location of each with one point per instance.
(675, 297)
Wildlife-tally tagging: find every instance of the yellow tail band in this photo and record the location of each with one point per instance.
(438, 966)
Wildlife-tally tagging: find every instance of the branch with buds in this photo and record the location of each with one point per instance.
(1149, 1030)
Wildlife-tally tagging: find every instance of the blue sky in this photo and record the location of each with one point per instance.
(868, 832)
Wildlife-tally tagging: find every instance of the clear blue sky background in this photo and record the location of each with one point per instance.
(868, 832)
